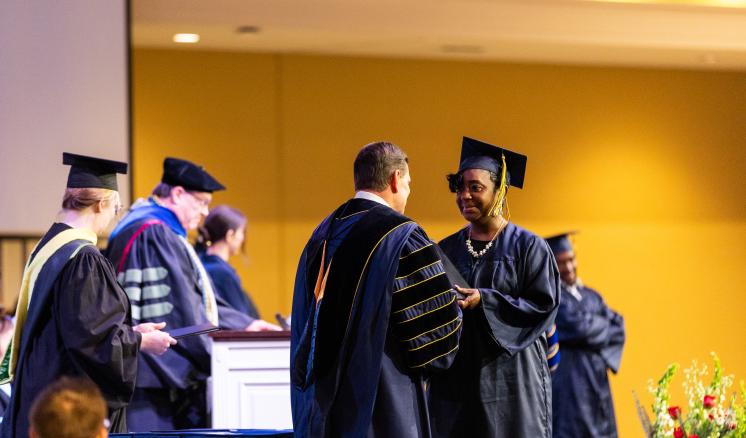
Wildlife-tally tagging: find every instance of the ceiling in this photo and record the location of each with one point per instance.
(691, 34)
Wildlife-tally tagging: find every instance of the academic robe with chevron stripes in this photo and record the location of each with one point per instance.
(387, 317)
(149, 250)
(500, 385)
(78, 324)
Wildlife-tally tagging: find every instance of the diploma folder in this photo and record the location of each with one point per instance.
(454, 276)
(192, 330)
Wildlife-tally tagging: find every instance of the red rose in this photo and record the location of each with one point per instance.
(678, 433)
(709, 401)
(674, 412)
(693, 436)
(711, 417)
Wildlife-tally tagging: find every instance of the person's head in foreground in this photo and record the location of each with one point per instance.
(69, 408)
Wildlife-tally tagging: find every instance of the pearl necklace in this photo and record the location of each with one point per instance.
(470, 248)
(475, 254)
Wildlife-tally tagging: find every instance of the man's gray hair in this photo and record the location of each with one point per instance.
(375, 163)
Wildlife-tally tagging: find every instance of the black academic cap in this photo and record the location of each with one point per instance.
(476, 154)
(178, 172)
(560, 242)
(91, 172)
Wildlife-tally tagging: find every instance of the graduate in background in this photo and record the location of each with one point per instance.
(500, 384)
(72, 317)
(373, 312)
(166, 281)
(220, 237)
(592, 338)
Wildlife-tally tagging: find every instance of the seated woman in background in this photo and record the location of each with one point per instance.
(220, 237)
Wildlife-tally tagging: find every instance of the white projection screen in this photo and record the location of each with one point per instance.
(64, 86)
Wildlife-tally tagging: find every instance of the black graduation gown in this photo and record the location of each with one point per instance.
(500, 385)
(82, 328)
(591, 336)
(228, 285)
(359, 355)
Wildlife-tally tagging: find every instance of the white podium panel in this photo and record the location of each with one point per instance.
(251, 380)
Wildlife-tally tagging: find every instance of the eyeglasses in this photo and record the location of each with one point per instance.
(203, 202)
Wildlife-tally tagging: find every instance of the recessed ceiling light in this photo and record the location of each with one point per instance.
(188, 38)
(247, 29)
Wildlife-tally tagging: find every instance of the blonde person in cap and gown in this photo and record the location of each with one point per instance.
(73, 318)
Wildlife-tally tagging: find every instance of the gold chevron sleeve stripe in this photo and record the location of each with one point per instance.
(552, 351)
(552, 331)
(428, 331)
(436, 358)
(423, 301)
(418, 270)
(416, 251)
(430, 311)
(421, 281)
(455, 329)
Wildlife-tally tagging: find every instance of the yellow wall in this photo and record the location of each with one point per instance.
(647, 163)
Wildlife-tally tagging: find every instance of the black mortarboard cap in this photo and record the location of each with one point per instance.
(476, 154)
(91, 172)
(178, 172)
(560, 242)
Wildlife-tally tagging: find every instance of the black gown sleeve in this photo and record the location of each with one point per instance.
(424, 309)
(92, 315)
(517, 320)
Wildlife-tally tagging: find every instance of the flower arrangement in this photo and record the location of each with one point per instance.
(711, 413)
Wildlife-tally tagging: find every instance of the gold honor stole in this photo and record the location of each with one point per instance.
(30, 274)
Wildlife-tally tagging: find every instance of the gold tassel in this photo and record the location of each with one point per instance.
(501, 192)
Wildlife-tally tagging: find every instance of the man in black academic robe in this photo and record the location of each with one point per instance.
(373, 313)
(592, 337)
(165, 281)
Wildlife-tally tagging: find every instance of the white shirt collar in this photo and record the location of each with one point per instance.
(362, 194)
(574, 289)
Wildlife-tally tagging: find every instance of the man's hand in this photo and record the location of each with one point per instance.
(260, 325)
(153, 339)
(148, 327)
(472, 300)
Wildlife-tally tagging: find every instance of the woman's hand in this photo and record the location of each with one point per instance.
(472, 299)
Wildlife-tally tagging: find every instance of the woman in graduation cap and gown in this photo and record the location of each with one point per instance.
(73, 318)
(500, 384)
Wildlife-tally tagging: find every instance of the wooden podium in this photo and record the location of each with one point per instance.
(251, 380)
